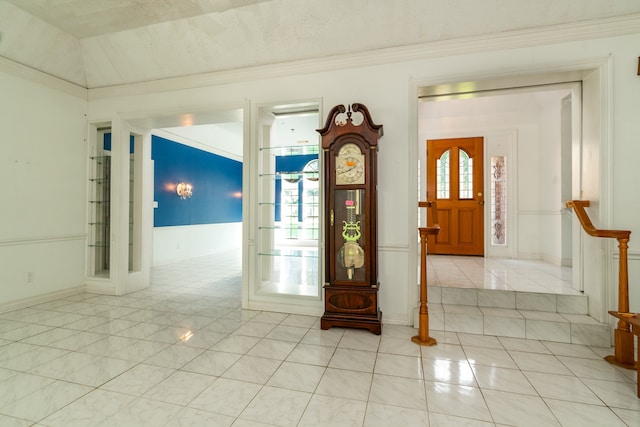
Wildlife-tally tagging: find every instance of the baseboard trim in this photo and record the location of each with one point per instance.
(40, 299)
(94, 288)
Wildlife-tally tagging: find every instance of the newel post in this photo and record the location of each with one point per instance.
(423, 337)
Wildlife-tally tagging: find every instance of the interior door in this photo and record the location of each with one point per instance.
(455, 181)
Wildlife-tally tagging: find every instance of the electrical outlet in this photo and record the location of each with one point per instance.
(28, 277)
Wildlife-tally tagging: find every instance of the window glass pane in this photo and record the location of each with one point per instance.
(443, 175)
(310, 201)
(466, 176)
(498, 201)
(289, 214)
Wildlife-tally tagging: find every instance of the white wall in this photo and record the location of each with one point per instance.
(172, 244)
(46, 129)
(386, 89)
(550, 177)
(43, 171)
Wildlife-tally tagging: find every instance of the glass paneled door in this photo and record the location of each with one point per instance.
(455, 181)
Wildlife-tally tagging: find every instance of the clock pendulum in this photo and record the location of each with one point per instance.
(351, 255)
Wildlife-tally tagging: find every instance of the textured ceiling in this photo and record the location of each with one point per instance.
(104, 43)
(87, 18)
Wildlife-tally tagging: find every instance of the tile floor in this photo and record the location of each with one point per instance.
(182, 353)
(499, 274)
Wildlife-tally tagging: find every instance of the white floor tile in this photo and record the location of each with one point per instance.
(379, 415)
(396, 391)
(354, 360)
(138, 380)
(502, 379)
(277, 406)
(564, 387)
(226, 397)
(190, 356)
(252, 369)
(399, 366)
(346, 384)
(458, 400)
(448, 371)
(333, 411)
(571, 414)
(297, 376)
(519, 409)
(189, 417)
(180, 387)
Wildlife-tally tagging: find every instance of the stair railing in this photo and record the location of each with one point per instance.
(623, 338)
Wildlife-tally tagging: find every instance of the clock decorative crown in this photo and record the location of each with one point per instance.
(343, 118)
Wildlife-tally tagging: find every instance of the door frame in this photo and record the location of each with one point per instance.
(517, 78)
(496, 142)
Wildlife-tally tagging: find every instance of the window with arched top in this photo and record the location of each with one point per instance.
(465, 175)
(444, 174)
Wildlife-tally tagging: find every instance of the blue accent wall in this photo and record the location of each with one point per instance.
(216, 181)
(107, 142)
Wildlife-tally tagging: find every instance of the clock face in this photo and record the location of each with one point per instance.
(350, 165)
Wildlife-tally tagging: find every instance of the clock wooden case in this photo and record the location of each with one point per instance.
(350, 146)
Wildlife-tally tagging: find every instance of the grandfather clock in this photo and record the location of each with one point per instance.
(350, 145)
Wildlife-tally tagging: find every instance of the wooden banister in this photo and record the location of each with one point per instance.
(423, 337)
(623, 338)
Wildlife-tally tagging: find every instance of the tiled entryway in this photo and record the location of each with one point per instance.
(510, 298)
(183, 353)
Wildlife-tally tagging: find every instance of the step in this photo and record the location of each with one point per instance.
(515, 314)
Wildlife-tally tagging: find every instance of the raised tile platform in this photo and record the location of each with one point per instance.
(515, 314)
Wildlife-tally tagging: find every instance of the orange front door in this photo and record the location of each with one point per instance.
(454, 180)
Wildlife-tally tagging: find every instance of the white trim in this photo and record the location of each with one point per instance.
(42, 239)
(603, 65)
(394, 248)
(40, 299)
(94, 287)
(610, 282)
(29, 73)
(413, 244)
(195, 144)
(281, 307)
(584, 30)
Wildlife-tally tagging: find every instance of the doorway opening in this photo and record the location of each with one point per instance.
(288, 205)
(532, 131)
(177, 195)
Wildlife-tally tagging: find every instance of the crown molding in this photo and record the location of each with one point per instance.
(26, 72)
(584, 30)
(195, 144)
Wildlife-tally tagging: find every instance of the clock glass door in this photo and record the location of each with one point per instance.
(349, 224)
